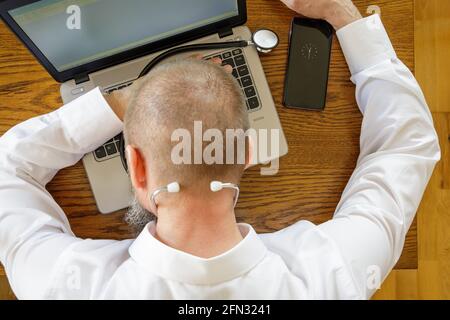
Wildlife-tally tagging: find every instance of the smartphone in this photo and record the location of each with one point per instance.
(308, 64)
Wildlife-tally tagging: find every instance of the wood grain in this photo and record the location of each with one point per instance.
(400, 285)
(432, 38)
(5, 290)
(433, 51)
(323, 146)
(434, 221)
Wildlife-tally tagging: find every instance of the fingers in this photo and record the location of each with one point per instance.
(218, 61)
(196, 56)
(297, 5)
(288, 3)
(199, 56)
(228, 68)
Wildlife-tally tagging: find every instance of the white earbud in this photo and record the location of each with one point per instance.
(217, 186)
(173, 187)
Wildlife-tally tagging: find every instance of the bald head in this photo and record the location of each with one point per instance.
(173, 97)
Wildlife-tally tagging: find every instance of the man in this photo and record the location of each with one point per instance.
(196, 250)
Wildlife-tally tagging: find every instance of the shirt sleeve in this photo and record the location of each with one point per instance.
(399, 149)
(34, 231)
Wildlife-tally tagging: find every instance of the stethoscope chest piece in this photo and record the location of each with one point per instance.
(265, 40)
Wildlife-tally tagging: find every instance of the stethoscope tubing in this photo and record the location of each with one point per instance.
(179, 50)
(190, 48)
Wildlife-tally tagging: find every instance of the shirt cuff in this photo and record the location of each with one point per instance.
(365, 43)
(89, 121)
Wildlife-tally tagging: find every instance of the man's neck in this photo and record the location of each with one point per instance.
(203, 231)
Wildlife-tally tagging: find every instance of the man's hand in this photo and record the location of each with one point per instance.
(119, 100)
(338, 13)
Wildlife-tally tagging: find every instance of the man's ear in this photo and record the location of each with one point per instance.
(137, 168)
(250, 153)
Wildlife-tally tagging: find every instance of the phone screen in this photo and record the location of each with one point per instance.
(308, 64)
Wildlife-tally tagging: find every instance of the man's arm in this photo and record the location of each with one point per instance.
(34, 231)
(399, 149)
(399, 146)
(338, 13)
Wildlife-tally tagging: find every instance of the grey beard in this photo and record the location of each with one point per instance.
(137, 216)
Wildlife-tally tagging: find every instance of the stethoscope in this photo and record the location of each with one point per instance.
(175, 187)
(264, 40)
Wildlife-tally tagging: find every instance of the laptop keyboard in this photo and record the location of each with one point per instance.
(241, 73)
(109, 150)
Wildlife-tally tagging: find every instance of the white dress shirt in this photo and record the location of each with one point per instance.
(340, 259)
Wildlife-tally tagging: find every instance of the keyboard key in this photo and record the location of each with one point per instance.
(118, 146)
(235, 73)
(250, 92)
(253, 103)
(111, 149)
(229, 62)
(243, 71)
(240, 60)
(237, 52)
(246, 81)
(227, 55)
(100, 153)
(109, 141)
(118, 136)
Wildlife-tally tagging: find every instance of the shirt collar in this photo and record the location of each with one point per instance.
(173, 264)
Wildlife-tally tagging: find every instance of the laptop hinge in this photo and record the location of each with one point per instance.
(81, 78)
(225, 32)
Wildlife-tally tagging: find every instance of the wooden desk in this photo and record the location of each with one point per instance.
(323, 146)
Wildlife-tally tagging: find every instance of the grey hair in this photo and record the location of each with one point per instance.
(137, 217)
(174, 96)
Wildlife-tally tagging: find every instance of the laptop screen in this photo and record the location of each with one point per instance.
(71, 33)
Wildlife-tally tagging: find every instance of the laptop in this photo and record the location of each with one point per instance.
(86, 44)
